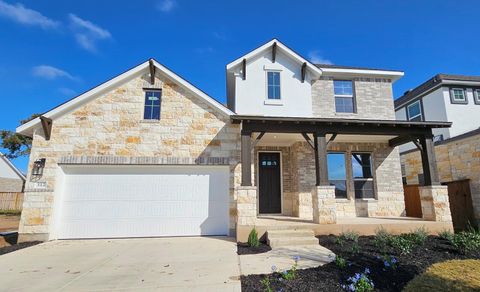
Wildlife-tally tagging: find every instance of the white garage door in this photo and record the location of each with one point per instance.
(131, 201)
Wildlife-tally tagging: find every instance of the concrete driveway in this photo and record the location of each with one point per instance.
(167, 264)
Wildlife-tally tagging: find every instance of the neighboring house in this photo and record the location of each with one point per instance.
(454, 98)
(148, 154)
(12, 180)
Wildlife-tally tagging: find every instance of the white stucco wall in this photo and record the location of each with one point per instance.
(401, 114)
(465, 117)
(435, 110)
(6, 171)
(251, 94)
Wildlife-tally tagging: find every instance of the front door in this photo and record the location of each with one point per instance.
(269, 183)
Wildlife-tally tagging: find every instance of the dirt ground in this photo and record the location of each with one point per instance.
(9, 223)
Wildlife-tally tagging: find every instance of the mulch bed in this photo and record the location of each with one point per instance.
(244, 248)
(7, 249)
(330, 277)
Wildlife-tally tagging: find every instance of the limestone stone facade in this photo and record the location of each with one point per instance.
(112, 125)
(457, 159)
(373, 99)
(435, 205)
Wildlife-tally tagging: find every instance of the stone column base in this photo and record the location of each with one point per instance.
(435, 205)
(246, 205)
(324, 206)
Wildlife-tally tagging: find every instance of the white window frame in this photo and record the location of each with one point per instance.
(352, 96)
(453, 98)
(273, 100)
(420, 110)
(476, 95)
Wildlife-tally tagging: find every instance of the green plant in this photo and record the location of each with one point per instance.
(466, 241)
(355, 248)
(253, 238)
(292, 272)
(340, 262)
(419, 235)
(403, 243)
(350, 236)
(446, 234)
(359, 282)
(266, 284)
(382, 239)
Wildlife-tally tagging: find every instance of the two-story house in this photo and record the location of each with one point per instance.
(148, 154)
(454, 98)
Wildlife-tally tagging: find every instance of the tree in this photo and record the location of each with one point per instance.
(17, 145)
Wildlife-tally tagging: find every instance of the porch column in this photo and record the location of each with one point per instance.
(246, 158)
(321, 167)
(429, 162)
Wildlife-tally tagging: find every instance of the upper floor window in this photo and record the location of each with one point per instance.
(458, 95)
(152, 105)
(414, 112)
(273, 85)
(476, 95)
(344, 96)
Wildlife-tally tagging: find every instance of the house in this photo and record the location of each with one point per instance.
(455, 98)
(12, 180)
(149, 154)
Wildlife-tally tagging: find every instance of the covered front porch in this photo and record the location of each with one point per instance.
(329, 171)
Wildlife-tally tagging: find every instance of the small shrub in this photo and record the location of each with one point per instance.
(466, 241)
(350, 236)
(389, 262)
(446, 234)
(253, 238)
(359, 282)
(382, 239)
(340, 262)
(419, 235)
(291, 273)
(403, 243)
(266, 284)
(355, 248)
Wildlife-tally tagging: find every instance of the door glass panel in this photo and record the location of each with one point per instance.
(362, 175)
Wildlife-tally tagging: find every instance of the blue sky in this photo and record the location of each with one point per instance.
(51, 50)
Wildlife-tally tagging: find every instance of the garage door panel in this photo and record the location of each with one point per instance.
(138, 202)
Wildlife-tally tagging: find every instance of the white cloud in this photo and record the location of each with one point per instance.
(166, 5)
(67, 91)
(87, 33)
(316, 58)
(19, 13)
(51, 73)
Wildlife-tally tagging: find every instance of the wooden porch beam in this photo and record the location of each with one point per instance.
(246, 158)
(274, 52)
(429, 161)
(152, 71)
(244, 69)
(332, 138)
(254, 143)
(309, 141)
(321, 165)
(304, 71)
(46, 126)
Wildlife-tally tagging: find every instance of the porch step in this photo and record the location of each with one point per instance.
(282, 238)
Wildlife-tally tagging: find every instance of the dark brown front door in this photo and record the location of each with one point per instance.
(269, 183)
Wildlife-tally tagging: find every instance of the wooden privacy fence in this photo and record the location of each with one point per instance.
(11, 201)
(413, 206)
(461, 205)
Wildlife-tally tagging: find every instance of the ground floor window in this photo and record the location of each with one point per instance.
(337, 174)
(362, 175)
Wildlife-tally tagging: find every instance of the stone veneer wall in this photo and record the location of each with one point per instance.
(456, 160)
(374, 99)
(11, 185)
(387, 175)
(112, 125)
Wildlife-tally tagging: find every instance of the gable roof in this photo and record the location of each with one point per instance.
(435, 82)
(28, 128)
(10, 164)
(280, 46)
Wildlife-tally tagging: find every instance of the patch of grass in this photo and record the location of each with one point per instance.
(10, 212)
(253, 238)
(454, 275)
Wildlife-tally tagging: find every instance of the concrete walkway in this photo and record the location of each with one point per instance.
(282, 258)
(147, 264)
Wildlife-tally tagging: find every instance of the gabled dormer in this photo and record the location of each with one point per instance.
(271, 80)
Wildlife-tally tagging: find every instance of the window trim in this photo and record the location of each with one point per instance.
(409, 118)
(353, 96)
(145, 90)
(276, 101)
(476, 95)
(452, 96)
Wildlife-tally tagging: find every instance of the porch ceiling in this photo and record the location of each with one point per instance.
(287, 139)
